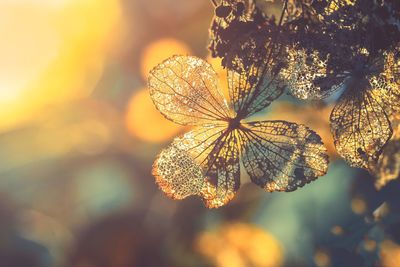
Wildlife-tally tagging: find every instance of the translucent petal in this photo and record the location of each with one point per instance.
(184, 90)
(359, 124)
(388, 166)
(282, 156)
(389, 82)
(315, 117)
(203, 162)
(253, 78)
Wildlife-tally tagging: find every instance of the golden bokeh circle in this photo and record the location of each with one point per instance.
(158, 51)
(145, 122)
(239, 245)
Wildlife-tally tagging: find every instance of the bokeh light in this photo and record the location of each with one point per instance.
(144, 121)
(159, 50)
(55, 51)
(358, 205)
(390, 252)
(240, 245)
(322, 259)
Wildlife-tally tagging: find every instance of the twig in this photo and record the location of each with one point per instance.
(283, 13)
(214, 2)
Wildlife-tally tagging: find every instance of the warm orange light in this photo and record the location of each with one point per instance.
(337, 230)
(222, 75)
(160, 50)
(370, 245)
(240, 245)
(390, 253)
(144, 121)
(322, 259)
(358, 205)
(60, 56)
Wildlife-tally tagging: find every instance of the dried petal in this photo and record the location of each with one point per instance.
(388, 166)
(282, 156)
(184, 89)
(389, 82)
(359, 124)
(203, 162)
(253, 78)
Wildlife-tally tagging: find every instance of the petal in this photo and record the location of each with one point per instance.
(203, 162)
(184, 90)
(359, 125)
(282, 156)
(253, 78)
(389, 82)
(388, 166)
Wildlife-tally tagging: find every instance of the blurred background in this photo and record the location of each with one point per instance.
(79, 133)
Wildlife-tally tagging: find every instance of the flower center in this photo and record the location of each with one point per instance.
(360, 70)
(234, 123)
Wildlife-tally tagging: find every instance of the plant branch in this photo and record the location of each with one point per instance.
(283, 13)
(214, 2)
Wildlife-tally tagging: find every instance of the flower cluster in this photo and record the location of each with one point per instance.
(322, 47)
(314, 48)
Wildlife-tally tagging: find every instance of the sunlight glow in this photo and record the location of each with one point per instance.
(54, 52)
(159, 50)
(239, 245)
(145, 122)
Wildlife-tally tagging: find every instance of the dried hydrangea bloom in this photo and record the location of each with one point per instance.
(357, 23)
(359, 121)
(278, 155)
(233, 22)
